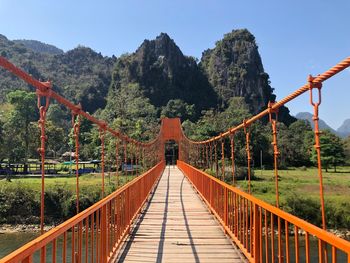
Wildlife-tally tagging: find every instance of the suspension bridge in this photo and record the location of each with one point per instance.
(179, 213)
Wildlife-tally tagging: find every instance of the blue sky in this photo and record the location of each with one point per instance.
(295, 38)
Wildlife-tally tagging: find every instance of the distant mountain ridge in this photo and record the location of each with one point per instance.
(39, 47)
(343, 131)
(233, 68)
(81, 74)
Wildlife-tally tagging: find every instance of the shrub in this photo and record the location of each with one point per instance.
(55, 199)
(338, 215)
(17, 203)
(241, 173)
(305, 208)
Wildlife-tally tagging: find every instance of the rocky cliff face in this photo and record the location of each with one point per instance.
(164, 73)
(234, 68)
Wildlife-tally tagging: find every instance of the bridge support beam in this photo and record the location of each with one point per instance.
(256, 238)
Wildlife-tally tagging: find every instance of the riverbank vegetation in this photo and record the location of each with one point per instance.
(20, 198)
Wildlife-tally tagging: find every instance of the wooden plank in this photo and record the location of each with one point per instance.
(177, 227)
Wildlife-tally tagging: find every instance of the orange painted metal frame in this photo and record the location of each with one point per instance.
(250, 222)
(104, 225)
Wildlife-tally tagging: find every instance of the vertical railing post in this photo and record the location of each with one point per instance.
(103, 239)
(211, 193)
(225, 219)
(256, 231)
(28, 259)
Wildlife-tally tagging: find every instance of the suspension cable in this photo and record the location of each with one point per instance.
(317, 86)
(76, 131)
(222, 159)
(232, 145)
(41, 123)
(247, 138)
(276, 153)
(117, 161)
(102, 138)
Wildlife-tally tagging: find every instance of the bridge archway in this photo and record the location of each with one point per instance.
(171, 136)
(171, 152)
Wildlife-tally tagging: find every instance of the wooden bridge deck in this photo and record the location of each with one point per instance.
(176, 226)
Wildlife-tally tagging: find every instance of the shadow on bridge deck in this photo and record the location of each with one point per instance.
(177, 227)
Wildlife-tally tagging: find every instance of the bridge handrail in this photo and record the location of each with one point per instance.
(42, 241)
(206, 188)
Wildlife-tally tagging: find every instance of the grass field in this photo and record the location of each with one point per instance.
(301, 182)
(69, 182)
(85, 181)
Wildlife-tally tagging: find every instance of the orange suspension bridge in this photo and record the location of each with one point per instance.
(181, 214)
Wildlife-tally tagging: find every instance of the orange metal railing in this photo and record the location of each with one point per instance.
(251, 224)
(95, 234)
(201, 153)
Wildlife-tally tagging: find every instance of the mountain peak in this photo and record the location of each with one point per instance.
(239, 35)
(344, 129)
(163, 46)
(164, 73)
(234, 68)
(164, 37)
(308, 117)
(2, 37)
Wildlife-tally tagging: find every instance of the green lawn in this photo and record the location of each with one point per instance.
(86, 181)
(301, 182)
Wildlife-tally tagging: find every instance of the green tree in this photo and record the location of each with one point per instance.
(56, 139)
(131, 112)
(2, 148)
(347, 149)
(58, 116)
(332, 151)
(293, 143)
(178, 108)
(17, 127)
